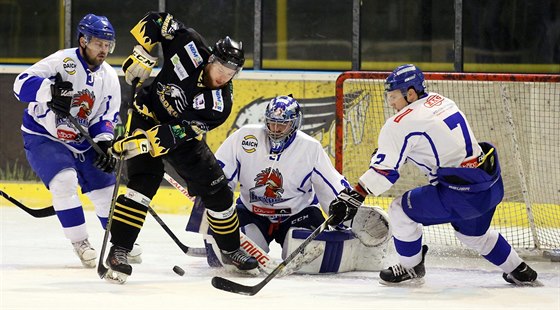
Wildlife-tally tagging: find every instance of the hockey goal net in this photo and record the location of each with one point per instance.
(519, 114)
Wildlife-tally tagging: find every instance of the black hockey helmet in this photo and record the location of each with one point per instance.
(229, 53)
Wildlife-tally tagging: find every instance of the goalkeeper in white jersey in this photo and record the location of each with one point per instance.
(285, 179)
(78, 83)
(465, 187)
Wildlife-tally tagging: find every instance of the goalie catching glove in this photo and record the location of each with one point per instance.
(345, 206)
(158, 140)
(138, 65)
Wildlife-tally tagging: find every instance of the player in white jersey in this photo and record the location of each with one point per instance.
(465, 187)
(76, 82)
(285, 178)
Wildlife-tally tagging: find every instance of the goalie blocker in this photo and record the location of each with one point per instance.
(362, 247)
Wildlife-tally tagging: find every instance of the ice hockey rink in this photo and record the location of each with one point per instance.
(40, 271)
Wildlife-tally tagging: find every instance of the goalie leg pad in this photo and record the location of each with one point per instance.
(330, 252)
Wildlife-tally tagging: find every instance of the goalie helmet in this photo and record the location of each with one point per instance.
(229, 53)
(97, 26)
(283, 118)
(404, 77)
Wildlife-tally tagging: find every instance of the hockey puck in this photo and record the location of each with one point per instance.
(178, 270)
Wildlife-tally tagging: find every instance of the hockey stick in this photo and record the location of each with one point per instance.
(197, 252)
(101, 269)
(44, 212)
(266, 263)
(230, 286)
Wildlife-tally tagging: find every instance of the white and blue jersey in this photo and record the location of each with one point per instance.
(279, 186)
(430, 133)
(95, 103)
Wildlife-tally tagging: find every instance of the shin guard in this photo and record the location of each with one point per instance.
(128, 218)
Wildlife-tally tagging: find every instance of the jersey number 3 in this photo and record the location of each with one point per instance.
(457, 119)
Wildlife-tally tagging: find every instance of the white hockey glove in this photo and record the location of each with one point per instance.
(138, 65)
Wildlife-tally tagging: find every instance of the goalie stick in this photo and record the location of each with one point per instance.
(233, 287)
(43, 212)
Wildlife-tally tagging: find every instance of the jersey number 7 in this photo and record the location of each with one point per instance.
(457, 119)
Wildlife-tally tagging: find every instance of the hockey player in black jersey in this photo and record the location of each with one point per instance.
(191, 95)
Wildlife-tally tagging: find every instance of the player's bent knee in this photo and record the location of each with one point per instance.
(403, 228)
(64, 183)
(482, 244)
(219, 201)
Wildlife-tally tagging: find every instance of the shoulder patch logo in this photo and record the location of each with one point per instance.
(194, 54)
(69, 65)
(218, 100)
(198, 102)
(249, 143)
(433, 100)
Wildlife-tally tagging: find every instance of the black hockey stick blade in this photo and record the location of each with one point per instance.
(230, 286)
(44, 212)
(233, 287)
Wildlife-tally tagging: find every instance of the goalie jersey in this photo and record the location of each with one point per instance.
(95, 103)
(278, 185)
(430, 133)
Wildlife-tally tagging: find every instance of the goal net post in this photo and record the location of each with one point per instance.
(517, 113)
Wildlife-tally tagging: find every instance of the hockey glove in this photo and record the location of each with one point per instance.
(61, 97)
(105, 162)
(138, 65)
(131, 146)
(345, 206)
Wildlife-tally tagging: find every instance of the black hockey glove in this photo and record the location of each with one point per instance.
(105, 162)
(345, 206)
(61, 97)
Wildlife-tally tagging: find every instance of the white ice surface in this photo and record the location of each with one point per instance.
(38, 270)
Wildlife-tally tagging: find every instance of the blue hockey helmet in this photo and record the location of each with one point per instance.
(97, 26)
(405, 77)
(284, 111)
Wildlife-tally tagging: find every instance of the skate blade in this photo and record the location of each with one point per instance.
(115, 277)
(89, 263)
(535, 283)
(407, 283)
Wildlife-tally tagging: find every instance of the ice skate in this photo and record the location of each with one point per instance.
(135, 255)
(523, 275)
(397, 274)
(86, 253)
(239, 261)
(117, 262)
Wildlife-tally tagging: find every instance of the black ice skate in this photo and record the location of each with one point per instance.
(396, 274)
(241, 261)
(119, 268)
(522, 275)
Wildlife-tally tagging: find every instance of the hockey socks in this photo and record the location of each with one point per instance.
(128, 218)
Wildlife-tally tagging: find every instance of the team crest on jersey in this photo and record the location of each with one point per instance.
(172, 98)
(83, 101)
(249, 143)
(69, 65)
(194, 55)
(268, 187)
